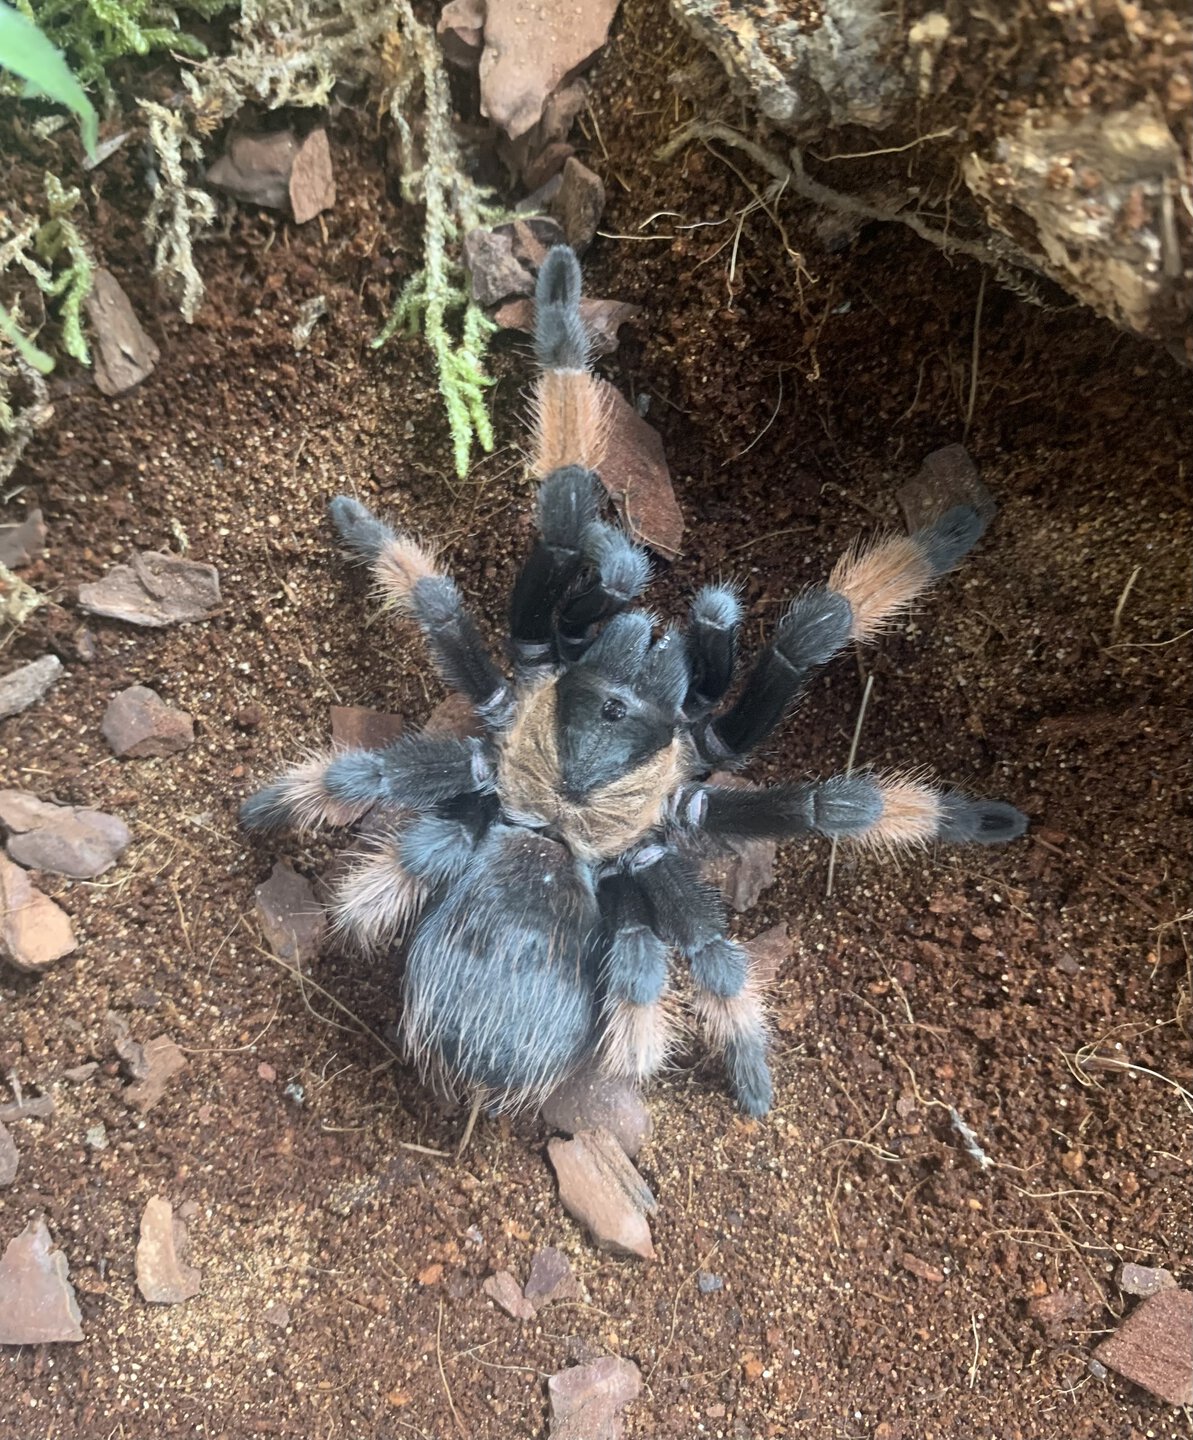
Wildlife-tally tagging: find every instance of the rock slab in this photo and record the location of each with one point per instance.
(1154, 1346)
(292, 920)
(637, 477)
(586, 1400)
(599, 1186)
(139, 725)
(78, 843)
(504, 1290)
(162, 1278)
(125, 354)
(25, 685)
(39, 1301)
(34, 931)
(592, 1100)
(550, 1278)
(154, 590)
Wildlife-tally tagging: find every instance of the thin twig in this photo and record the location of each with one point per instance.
(447, 1389)
(1122, 603)
(477, 1100)
(973, 359)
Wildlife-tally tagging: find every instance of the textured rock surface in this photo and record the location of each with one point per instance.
(25, 685)
(139, 725)
(161, 1276)
(505, 1291)
(10, 1157)
(124, 353)
(586, 1399)
(531, 48)
(34, 931)
(292, 919)
(1154, 1346)
(24, 542)
(550, 1278)
(591, 1100)
(600, 1187)
(1064, 180)
(78, 843)
(39, 1300)
(154, 590)
(636, 475)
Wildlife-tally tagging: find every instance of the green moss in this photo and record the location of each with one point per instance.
(94, 33)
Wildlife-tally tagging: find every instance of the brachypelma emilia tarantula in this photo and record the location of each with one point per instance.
(545, 874)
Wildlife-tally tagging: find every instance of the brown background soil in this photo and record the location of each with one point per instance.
(792, 406)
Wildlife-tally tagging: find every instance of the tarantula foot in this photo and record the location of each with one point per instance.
(979, 822)
(749, 1074)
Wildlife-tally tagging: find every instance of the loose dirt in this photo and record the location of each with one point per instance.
(878, 1280)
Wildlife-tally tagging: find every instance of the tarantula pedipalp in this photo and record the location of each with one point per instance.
(545, 873)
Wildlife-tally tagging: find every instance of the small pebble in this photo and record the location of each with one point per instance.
(708, 1284)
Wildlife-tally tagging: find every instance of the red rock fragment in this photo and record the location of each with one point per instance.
(34, 931)
(139, 725)
(312, 186)
(292, 920)
(599, 1186)
(636, 476)
(359, 728)
(124, 353)
(1153, 1347)
(504, 1289)
(531, 48)
(39, 1301)
(162, 1278)
(586, 1400)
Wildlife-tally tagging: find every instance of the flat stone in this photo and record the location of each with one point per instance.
(948, 477)
(579, 204)
(587, 1399)
(34, 931)
(531, 48)
(63, 839)
(359, 728)
(707, 1283)
(312, 186)
(493, 272)
(1144, 1279)
(602, 320)
(162, 1278)
(530, 237)
(291, 918)
(1153, 1346)
(550, 1278)
(39, 1301)
(23, 543)
(151, 1065)
(636, 475)
(590, 1100)
(139, 725)
(124, 353)
(25, 685)
(26, 1107)
(599, 1186)
(154, 590)
(504, 1289)
(256, 169)
(10, 1157)
(277, 1314)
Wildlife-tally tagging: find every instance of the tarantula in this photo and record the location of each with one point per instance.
(545, 873)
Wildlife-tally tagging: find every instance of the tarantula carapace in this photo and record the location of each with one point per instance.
(545, 874)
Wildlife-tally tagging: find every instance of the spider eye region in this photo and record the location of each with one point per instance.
(613, 709)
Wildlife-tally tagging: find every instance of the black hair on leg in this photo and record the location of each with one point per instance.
(459, 652)
(618, 573)
(712, 647)
(416, 772)
(567, 505)
(560, 339)
(814, 628)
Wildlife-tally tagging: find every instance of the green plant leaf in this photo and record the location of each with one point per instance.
(25, 348)
(26, 52)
